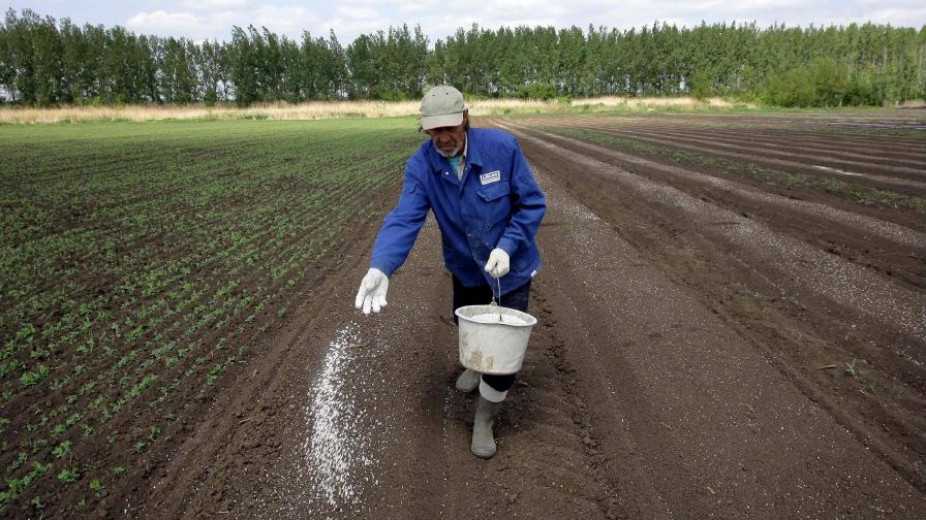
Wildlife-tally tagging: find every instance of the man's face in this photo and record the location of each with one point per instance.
(449, 139)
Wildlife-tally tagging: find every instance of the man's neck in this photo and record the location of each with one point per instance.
(460, 151)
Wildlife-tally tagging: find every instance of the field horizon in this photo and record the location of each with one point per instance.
(317, 110)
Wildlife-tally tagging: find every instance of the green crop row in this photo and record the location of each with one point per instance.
(141, 261)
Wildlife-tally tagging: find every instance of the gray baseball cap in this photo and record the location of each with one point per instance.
(442, 106)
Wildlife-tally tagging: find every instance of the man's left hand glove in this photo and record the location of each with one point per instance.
(499, 263)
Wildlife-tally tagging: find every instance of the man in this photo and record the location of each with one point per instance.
(488, 207)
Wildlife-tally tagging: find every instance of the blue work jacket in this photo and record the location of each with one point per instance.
(497, 204)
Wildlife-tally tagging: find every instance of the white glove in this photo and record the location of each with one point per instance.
(499, 263)
(372, 293)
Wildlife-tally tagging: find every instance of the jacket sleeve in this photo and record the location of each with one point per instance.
(402, 224)
(530, 205)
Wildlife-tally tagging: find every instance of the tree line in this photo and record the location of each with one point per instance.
(45, 62)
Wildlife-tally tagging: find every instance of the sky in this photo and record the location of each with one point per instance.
(213, 19)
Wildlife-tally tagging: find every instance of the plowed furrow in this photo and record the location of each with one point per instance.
(899, 249)
(745, 275)
(876, 171)
(865, 152)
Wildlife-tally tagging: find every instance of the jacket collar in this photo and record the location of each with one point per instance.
(439, 163)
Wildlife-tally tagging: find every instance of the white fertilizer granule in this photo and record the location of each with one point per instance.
(337, 449)
(495, 318)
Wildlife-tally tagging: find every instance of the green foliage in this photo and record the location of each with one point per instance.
(16, 486)
(544, 91)
(96, 485)
(701, 85)
(62, 449)
(793, 88)
(824, 83)
(68, 475)
(34, 377)
(387, 65)
(46, 62)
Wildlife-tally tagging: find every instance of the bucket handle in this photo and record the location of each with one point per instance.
(498, 282)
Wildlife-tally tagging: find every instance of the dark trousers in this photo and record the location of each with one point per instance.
(482, 295)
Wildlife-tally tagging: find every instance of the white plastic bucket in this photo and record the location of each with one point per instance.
(490, 346)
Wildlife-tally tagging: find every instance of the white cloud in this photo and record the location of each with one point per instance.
(349, 28)
(895, 16)
(416, 6)
(199, 19)
(162, 22)
(204, 26)
(349, 12)
(289, 20)
(208, 5)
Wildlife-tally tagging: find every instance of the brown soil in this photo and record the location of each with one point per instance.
(905, 155)
(705, 349)
(868, 163)
(886, 240)
(791, 153)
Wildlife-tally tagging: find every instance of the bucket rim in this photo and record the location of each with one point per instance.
(529, 319)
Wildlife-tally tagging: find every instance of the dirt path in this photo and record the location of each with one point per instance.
(656, 386)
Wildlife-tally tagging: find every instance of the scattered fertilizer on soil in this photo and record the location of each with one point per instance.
(337, 450)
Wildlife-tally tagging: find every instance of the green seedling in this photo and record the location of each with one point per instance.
(851, 369)
(62, 450)
(97, 487)
(34, 377)
(68, 475)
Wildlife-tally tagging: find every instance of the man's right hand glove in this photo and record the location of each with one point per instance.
(372, 293)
